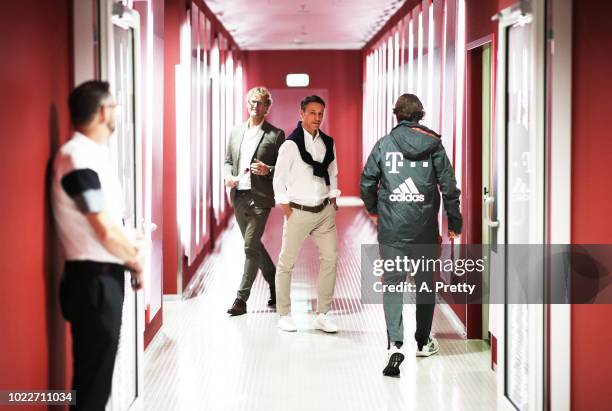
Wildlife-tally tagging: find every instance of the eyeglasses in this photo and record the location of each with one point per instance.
(256, 103)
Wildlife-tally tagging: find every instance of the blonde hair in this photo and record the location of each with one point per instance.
(262, 92)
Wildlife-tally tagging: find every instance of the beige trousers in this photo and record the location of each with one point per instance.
(322, 227)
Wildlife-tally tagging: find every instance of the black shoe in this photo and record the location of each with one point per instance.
(238, 308)
(272, 300)
(392, 368)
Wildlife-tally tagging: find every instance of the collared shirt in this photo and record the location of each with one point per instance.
(294, 180)
(84, 181)
(247, 151)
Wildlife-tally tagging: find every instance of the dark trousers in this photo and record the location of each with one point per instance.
(393, 302)
(252, 222)
(91, 298)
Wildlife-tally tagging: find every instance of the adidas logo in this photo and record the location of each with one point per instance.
(407, 192)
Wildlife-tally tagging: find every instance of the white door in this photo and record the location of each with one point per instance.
(120, 66)
(518, 208)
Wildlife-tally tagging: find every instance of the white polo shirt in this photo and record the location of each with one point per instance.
(84, 181)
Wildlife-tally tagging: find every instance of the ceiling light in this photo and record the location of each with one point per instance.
(297, 80)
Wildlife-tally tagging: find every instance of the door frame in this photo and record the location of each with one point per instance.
(107, 64)
(555, 56)
(559, 156)
(507, 18)
(475, 193)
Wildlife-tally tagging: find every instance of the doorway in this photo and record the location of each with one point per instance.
(477, 179)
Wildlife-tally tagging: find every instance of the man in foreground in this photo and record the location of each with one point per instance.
(400, 187)
(88, 209)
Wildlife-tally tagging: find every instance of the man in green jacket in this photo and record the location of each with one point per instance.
(400, 187)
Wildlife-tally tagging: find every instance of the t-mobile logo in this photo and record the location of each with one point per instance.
(395, 162)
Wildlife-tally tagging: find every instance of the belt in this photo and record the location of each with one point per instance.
(313, 209)
(88, 267)
(242, 192)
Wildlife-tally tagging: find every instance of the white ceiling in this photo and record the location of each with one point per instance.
(303, 24)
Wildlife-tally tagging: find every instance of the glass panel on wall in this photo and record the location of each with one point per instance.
(222, 117)
(194, 169)
(410, 57)
(436, 29)
(520, 191)
(376, 80)
(396, 65)
(124, 388)
(419, 54)
(389, 85)
(216, 135)
(229, 96)
(448, 76)
(203, 126)
(426, 64)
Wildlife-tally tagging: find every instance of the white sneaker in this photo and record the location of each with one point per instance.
(285, 323)
(430, 348)
(324, 323)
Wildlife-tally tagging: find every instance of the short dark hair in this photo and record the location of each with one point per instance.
(85, 100)
(311, 99)
(408, 107)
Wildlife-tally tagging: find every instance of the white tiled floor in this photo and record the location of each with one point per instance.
(204, 360)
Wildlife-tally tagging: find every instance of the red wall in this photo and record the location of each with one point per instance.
(338, 71)
(591, 196)
(172, 18)
(478, 23)
(34, 118)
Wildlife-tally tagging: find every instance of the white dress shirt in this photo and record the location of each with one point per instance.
(247, 150)
(294, 180)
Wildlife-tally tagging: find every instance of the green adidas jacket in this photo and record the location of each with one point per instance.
(401, 183)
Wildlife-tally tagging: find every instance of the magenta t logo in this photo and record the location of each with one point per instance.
(395, 161)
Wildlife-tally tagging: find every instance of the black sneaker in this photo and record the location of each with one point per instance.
(396, 357)
(238, 308)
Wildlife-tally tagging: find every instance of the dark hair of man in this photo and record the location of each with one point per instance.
(409, 107)
(311, 99)
(86, 99)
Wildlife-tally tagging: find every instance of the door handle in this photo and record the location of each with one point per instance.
(149, 226)
(488, 202)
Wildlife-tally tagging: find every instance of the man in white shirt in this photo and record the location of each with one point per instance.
(249, 168)
(88, 210)
(306, 187)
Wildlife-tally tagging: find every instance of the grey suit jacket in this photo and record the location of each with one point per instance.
(270, 140)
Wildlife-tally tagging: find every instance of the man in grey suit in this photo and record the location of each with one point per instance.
(249, 169)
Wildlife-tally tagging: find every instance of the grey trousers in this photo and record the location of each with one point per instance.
(252, 222)
(322, 228)
(393, 302)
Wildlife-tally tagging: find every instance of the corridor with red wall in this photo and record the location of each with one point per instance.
(339, 72)
(38, 43)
